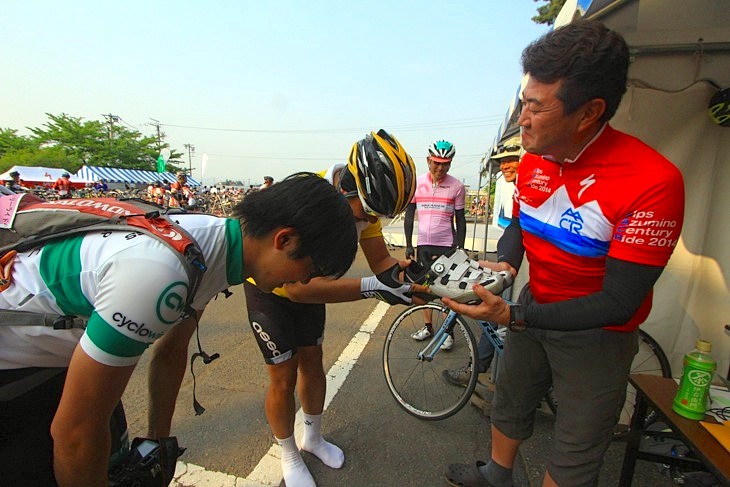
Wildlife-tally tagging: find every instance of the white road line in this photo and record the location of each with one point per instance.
(268, 471)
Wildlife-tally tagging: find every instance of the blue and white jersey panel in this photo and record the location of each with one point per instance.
(583, 231)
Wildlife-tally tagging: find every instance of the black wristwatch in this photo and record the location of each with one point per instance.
(517, 317)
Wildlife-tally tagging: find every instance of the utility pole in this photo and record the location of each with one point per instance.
(159, 133)
(191, 150)
(111, 120)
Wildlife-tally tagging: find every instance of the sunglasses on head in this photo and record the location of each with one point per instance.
(508, 148)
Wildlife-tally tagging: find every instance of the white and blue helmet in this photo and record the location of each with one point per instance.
(442, 149)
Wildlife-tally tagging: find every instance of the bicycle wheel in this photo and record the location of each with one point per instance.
(418, 385)
(650, 359)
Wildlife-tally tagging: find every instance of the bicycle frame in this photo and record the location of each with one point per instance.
(438, 339)
(434, 345)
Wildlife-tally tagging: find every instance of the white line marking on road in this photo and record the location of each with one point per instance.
(268, 471)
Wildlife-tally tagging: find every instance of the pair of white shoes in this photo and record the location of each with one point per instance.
(425, 333)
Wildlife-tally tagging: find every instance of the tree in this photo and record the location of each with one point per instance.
(546, 14)
(232, 182)
(97, 143)
(78, 140)
(10, 141)
(33, 156)
(70, 142)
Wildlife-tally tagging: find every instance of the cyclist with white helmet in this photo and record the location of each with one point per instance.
(288, 324)
(439, 200)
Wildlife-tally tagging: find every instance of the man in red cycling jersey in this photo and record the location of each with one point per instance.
(63, 186)
(598, 214)
(179, 190)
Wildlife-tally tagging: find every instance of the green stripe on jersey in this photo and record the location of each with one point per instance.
(60, 268)
(108, 339)
(234, 252)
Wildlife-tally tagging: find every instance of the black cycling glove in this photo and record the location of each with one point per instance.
(386, 287)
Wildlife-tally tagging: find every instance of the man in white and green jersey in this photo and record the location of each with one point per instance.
(58, 388)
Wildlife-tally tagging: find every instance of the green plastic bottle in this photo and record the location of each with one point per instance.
(694, 388)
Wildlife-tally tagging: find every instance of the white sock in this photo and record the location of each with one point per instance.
(312, 441)
(296, 473)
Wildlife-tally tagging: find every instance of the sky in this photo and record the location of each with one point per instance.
(275, 87)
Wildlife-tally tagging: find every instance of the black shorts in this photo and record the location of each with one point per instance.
(280, 325)
(26, 446)
(426, 254)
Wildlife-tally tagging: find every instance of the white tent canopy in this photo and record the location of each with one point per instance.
(135, 176)
(42, 175)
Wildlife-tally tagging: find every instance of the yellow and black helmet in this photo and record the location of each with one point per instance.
(384, 173)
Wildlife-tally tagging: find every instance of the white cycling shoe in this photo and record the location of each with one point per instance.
(422, 334)
(454, 275)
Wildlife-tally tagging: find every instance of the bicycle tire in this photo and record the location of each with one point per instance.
(417, 385)
(650, 359)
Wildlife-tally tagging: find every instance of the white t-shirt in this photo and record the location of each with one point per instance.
(132, 287)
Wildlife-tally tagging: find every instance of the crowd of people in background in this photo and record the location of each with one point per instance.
(478, 206)
(205, 198)
(217, 199)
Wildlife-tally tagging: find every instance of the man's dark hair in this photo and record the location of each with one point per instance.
(592, 61)
(318, 213)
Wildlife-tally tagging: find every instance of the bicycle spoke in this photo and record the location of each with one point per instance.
(418, 384)
(650, 359)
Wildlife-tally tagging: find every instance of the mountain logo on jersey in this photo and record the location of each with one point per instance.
(582, 230)
(572, 221)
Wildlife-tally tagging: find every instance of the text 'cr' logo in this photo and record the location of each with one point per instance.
(572, 221)
(171, 303)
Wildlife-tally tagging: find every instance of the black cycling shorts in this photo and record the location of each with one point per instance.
(426, 254)
(26, 446)
(280, 325)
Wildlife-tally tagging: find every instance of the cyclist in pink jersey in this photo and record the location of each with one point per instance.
(439, 200)
(508, 157)
(597, 213)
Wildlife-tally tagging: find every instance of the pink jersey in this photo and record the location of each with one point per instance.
(619, 198)
(436, 205)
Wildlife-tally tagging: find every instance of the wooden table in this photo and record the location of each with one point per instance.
(658, 393)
